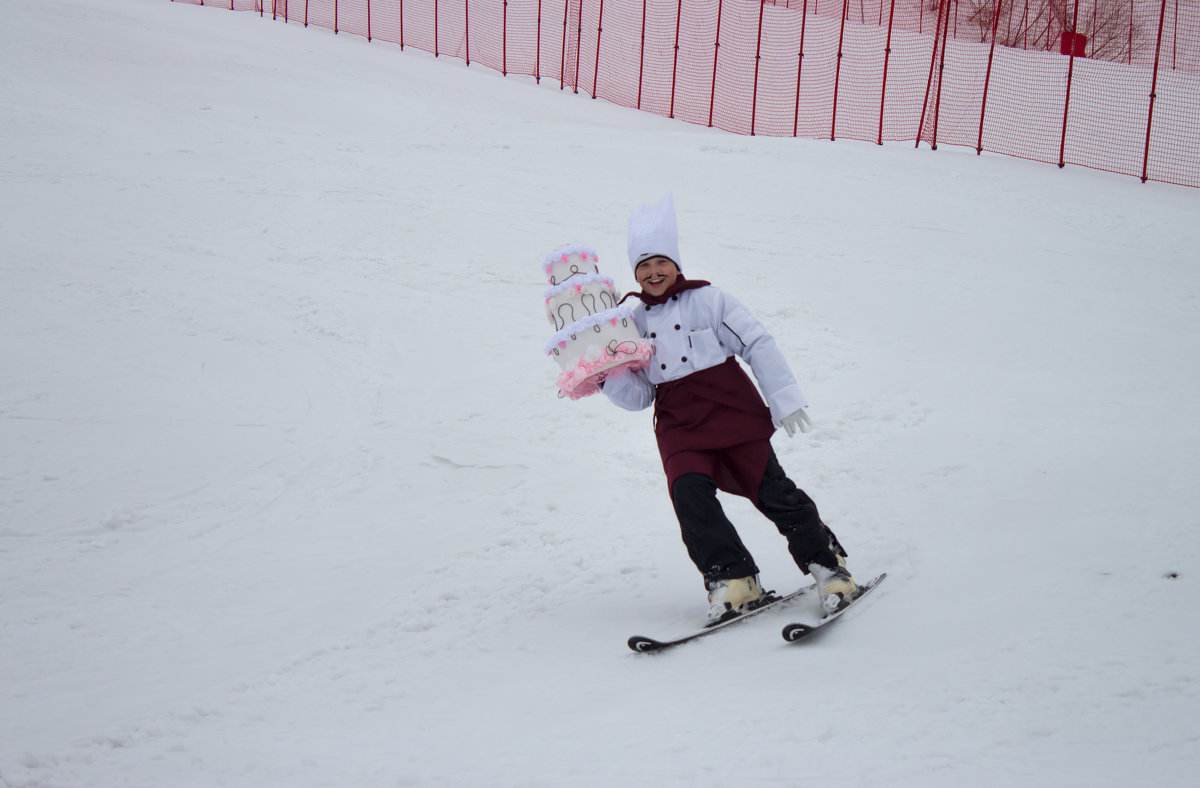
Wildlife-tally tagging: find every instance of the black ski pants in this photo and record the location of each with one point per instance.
(713, 543)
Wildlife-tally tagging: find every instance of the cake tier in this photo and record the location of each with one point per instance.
(598, 347)
(578, 298)
(597, 365)
(598, 329)
(569, 261)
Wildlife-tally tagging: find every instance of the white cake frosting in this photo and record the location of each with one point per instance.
(595, 338)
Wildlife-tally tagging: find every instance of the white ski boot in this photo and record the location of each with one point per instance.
(834, 585)
(727, 597)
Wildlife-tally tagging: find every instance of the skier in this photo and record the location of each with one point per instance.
(712, 427)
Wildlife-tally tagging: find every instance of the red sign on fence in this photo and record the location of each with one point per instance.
(1074, 44)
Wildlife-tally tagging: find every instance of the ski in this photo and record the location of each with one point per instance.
(796, 631)
(644, 645)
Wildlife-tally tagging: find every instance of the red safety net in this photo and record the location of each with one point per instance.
(1108, 84)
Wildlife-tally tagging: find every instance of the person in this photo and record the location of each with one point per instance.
(712, 427)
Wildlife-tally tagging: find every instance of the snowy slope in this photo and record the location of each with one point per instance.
(278, 437)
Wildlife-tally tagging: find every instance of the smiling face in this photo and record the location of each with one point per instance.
(656, 274)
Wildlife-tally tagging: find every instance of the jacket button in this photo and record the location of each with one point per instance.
(662, 366)
(683, 359)
(653, 335)
(676, 326)
(647, 307)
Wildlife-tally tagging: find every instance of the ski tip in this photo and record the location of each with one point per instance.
(644, 645)
(793, 632)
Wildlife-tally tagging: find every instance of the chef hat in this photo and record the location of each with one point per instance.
(652, 232)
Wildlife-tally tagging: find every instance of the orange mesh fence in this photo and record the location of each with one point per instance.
(1108, 84)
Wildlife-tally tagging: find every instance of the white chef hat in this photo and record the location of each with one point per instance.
(652, 231)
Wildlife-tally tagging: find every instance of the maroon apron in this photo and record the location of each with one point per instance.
(714, 422)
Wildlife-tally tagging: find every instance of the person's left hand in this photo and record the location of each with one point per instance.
(796, 421)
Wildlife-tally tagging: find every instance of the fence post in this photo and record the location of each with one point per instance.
(562, 67)
(1162, 13)
(675, 61)
(401, 25)
(1062, 146)
(837, 74)
(642, 55)
(935, 71)
(987, 79)
(504, 41)
(435, 28)
(537, 63)
(467, 29)
(887, 56)
(599, 30)
(800, 66)
(578, 42)
(335, 17)
(306, 13)
(712, 89)
(762, 4)
(368, 21)
(937, 113)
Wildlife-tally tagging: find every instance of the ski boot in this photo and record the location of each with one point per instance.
(728, 598)
(834, 584)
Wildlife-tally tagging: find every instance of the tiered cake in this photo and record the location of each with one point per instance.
(595, 338)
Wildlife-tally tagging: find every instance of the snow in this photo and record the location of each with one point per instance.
(287, 497)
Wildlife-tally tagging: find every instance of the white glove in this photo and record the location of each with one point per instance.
(796, 421)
